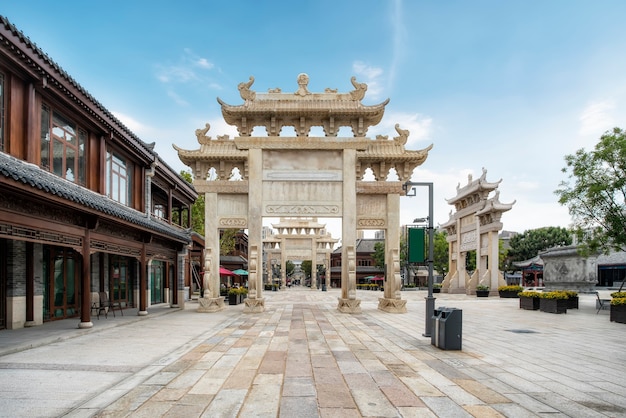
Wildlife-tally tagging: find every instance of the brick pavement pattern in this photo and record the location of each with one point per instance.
(302, 358)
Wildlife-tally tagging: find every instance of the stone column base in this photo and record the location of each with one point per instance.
(349, 305)
(254, 305)
(85, 325)
(210, 304)
(392, 305)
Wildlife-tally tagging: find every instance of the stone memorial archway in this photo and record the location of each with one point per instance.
(301, 176)
(474, 226)
(299, 239)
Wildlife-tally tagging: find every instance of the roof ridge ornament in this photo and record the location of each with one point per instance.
(404, 135)
(245, 92)
(201, 134)
(303, 83)
(360, 89)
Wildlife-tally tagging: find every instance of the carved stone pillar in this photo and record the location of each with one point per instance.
(254, 302)
(211, 301)
(348, 302)
(392, 302)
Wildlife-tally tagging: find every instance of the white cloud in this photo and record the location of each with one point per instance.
(185, 70)
(204, 63)
(597, 118)
(370, 76)
(419, 127)
(528, 185)
(177, 99)
(134, 125)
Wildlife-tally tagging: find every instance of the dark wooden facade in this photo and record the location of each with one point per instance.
(365, 265)
(85, 205)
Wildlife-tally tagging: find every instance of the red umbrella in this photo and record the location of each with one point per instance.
(225, 272)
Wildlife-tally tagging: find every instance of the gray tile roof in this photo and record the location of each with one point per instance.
(32, 175)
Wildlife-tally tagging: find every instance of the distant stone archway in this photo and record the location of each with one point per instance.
(302, 176)
(475, 226)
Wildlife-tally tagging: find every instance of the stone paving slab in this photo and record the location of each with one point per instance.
(301, 357)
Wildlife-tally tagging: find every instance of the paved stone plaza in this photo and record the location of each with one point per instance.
(302, 358)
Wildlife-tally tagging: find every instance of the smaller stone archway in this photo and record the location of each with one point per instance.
(475, 226)
(299, 239)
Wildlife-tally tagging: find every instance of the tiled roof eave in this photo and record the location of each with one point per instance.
(32, 175)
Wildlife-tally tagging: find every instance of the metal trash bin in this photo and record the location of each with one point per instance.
(434, 334)
(447, 328)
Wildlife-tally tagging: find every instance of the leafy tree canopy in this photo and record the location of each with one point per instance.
(595, 193)
(440, 261)
(379, 254)
(197, 208)
(528, 244)
(227, 241)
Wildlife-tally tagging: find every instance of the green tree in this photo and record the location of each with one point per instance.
(379, 254)
(595, 193)
(470, 260)
(503, 257)
(306, 268)
(528, 244)
(197, 208)
(227, 241)
(289, 267)
(441, 248)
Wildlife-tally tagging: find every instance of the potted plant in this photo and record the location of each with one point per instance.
(572, 299)
(529, 300)
(233, 296)
(553, 302)
(243, 293)
(618, 307)
(436, 287)
(482, 291)
(510, 291)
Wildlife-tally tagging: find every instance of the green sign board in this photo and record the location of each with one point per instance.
(417, 247)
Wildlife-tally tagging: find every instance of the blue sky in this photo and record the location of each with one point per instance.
(511, 86)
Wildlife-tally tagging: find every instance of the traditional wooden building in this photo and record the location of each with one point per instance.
(366, 268)
(85, 205)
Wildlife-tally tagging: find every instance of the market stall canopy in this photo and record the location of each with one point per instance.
(377, 278)
(240, 272)
(225, 272)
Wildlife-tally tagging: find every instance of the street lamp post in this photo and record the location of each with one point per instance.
(409, 189)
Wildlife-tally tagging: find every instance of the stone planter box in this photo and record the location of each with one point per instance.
(557, 306)
(482, 293)
(531, 304)
(618, 314)
(508, 293)
(572, 303)
(233, 299)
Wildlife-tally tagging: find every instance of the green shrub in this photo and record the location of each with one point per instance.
(510, 288)
(529, 294)
(618, 295)
(618, 301)
(436, 285)
(482, 287)
(557, 294)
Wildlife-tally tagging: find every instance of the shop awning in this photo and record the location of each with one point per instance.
(225, 272)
